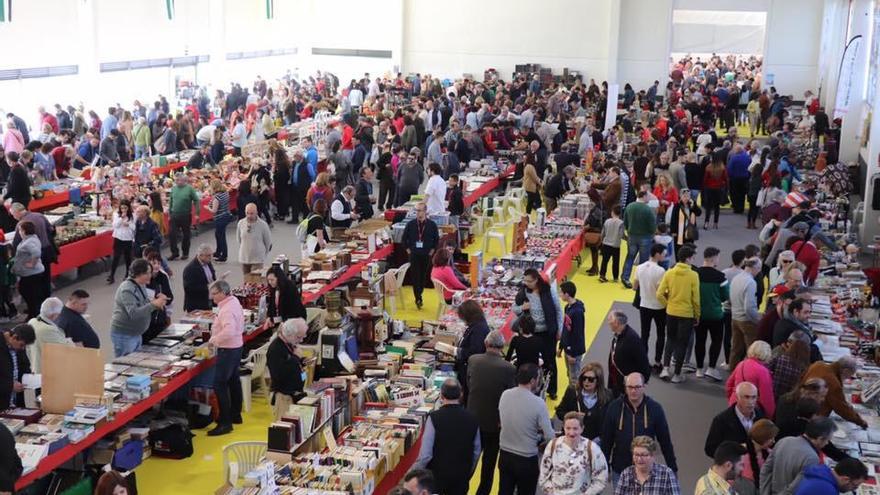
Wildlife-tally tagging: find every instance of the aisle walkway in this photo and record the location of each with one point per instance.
(689, 407)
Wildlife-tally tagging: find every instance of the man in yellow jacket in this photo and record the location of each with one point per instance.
(679, 291)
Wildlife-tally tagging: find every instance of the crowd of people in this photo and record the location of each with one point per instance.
(653, 175)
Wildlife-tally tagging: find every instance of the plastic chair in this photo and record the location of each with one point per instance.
(441, 289)
(479, 220)
(240, 458)
(299, 246)
(256, 363)
(499, 233)
(399, 276)
(515, 198)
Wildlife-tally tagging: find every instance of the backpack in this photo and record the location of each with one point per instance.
(160, 144)
(596, 217)
(171, 437)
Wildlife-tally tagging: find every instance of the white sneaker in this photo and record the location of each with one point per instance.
(724, 366)
(714, 374)
(677, 378)
(699, 373)
(665, 373)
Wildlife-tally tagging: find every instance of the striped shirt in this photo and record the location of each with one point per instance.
(222, 203)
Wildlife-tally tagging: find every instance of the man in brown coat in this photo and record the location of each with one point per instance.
(834, 374)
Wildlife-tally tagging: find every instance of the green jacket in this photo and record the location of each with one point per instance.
(141, 135)
(182, 200)
(714, 290)
(639, 220)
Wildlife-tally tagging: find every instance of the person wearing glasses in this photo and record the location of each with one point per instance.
(226, 339)
(420, 237)
(630, 416)
(646, 476)
(777, 273)
(588, 397)
(628, 353)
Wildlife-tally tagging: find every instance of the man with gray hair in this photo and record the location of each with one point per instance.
(489, 375)
(341, 212)
(744, 311)
(834, 375)
(285, 365)
(628, 354)
(226, 339)
(46, 331)
(254, 240)
(197, 276)
(451, 442)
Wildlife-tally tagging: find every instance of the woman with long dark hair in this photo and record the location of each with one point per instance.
(123, 238)
(541, 301)
(472, 340)
(283, 301)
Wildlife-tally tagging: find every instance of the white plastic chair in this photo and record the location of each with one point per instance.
(240, 458)
(399, 276)
(499, 233)
(441, 289)
(515, 198)
(256, 363)
(480, 220)
(299, 246)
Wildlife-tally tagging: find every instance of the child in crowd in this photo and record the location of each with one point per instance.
(612, 233)
(664, 239)
(524, 345)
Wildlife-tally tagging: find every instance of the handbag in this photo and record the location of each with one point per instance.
(725, 196)
(159, 143)
(637, 299)
(691, 233)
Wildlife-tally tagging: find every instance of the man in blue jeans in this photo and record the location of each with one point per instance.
(640, 224)
(226, 338)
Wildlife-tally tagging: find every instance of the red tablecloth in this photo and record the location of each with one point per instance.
(353, 271)
(167, 168)
(55, 200)
(61, 456)
(487, 187)
(395, 476)
(79, 253)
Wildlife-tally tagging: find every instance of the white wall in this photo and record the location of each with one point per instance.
(708, 38)
(501, 34)
(791, 56)
(644, 46)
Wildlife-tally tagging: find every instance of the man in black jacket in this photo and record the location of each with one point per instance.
(146, 231)
(450, 442)
(198, 275)
(300, 181)
(735, 422)
(363, 194)
(14, 364)
(200, 158)
(420, 237)
(558, 185)
(285, 365)
(71, 320)
(628, 354)
(489, 374)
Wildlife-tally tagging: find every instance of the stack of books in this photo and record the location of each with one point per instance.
(137, 387)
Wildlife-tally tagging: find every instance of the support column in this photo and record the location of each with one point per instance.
(613, 41)
(855, 107)
(398, 14)
(870, 226)
(215, 72)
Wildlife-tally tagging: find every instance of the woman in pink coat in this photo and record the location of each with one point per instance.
(443, 272)
(754, 370)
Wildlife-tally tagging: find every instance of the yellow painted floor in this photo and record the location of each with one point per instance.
(203, 472)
